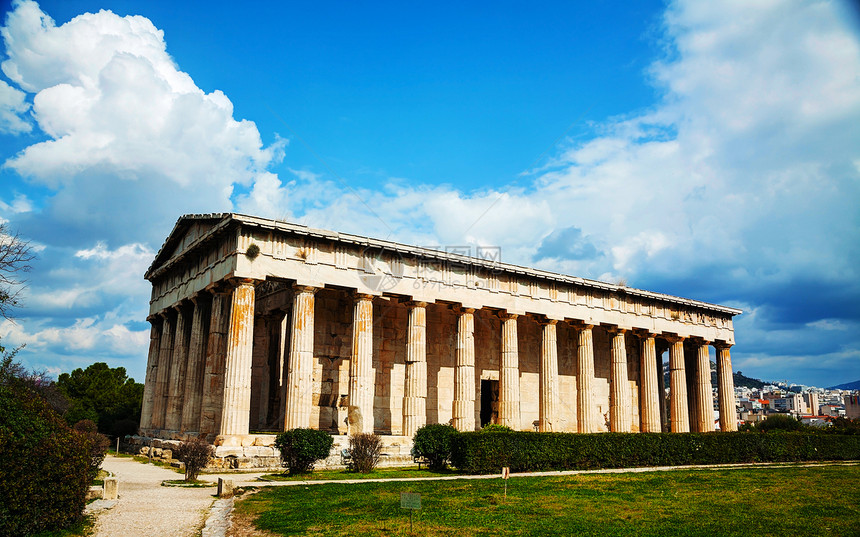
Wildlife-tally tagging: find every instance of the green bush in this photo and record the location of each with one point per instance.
(496, 428)
(779, 422)
(364, 452)
(44, 465)
(301, 448)
(433, 444)
(484, 453)
(98, 445)
(842, 425)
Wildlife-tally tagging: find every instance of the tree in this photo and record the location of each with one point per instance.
(104, 395)
(45, 466)
(15, 257)
(196, 454)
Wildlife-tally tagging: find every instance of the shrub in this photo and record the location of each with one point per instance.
(364, 452)
(842, 425)
(196, 454)
(44, 467)
(485, 453)
(98, 445)
(433, 443)
(495, 428)
(779, 422)
(301, 448)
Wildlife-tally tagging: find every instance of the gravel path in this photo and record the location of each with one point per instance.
(145, 508)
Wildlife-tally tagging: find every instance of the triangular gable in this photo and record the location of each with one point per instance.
(188, 229)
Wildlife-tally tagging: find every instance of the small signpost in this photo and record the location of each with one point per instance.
(411, 501)
(506, 473)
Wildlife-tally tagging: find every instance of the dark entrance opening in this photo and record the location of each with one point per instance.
(489, 401)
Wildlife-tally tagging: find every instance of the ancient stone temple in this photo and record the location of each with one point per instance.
(260, 326)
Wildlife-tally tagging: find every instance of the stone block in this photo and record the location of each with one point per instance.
(111, 489)
(225, 488)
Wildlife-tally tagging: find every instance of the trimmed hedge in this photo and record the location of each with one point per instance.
(489, 452)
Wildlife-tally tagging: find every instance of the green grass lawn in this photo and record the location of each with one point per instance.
(377, 473)
(748, 502)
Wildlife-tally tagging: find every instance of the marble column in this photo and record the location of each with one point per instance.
(678, 414)
(236, 409)
(464, 374)
(726, 388)
(299, 371)
(585, 411)
(196, 363)
(151, 373)
(361, 382)
(178, 364)
(284, 357)
(548, 408)
(619, 389)
(509, 376)
(216, 355)
(161, 383)
(649, 391)
(705, 397)
(415, 388)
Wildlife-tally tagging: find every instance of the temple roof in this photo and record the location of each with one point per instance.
(193, 229)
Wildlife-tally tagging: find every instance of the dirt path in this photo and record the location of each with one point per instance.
(145, 508)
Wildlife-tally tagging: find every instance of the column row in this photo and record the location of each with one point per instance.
(199, 371)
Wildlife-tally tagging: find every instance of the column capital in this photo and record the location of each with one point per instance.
(548, 322)
(416, 304)
(298, 288)
(505, 316)
(673, 338)
(361, 297)
(237, 282)
(614, 329)
(199, 296)
(459, 309)
(644, 334)
(578, 325)
(721, 344)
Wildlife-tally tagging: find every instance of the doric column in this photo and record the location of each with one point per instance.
(649, 386)
(216, 355)
(193, 400)
(464, 374)
(298, 374)
(548, 409)
(726, 388)
(509, 376)
(705, 406)
(164, 354)
(151, 373)
(284, 357)
(178, 363)
(619, 389)
(585, 411)
(236, 410)
(679, 415)
(415, 389)
(360, 417)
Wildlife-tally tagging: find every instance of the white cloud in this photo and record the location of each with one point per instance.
(123, 119)
(13, 106)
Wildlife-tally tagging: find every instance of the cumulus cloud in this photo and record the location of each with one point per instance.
(13, 107)
(738, 186)
(124, 123)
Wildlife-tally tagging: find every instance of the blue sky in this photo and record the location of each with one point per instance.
(707, 150)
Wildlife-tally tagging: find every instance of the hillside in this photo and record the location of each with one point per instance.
(739, 378)
(847, 386)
